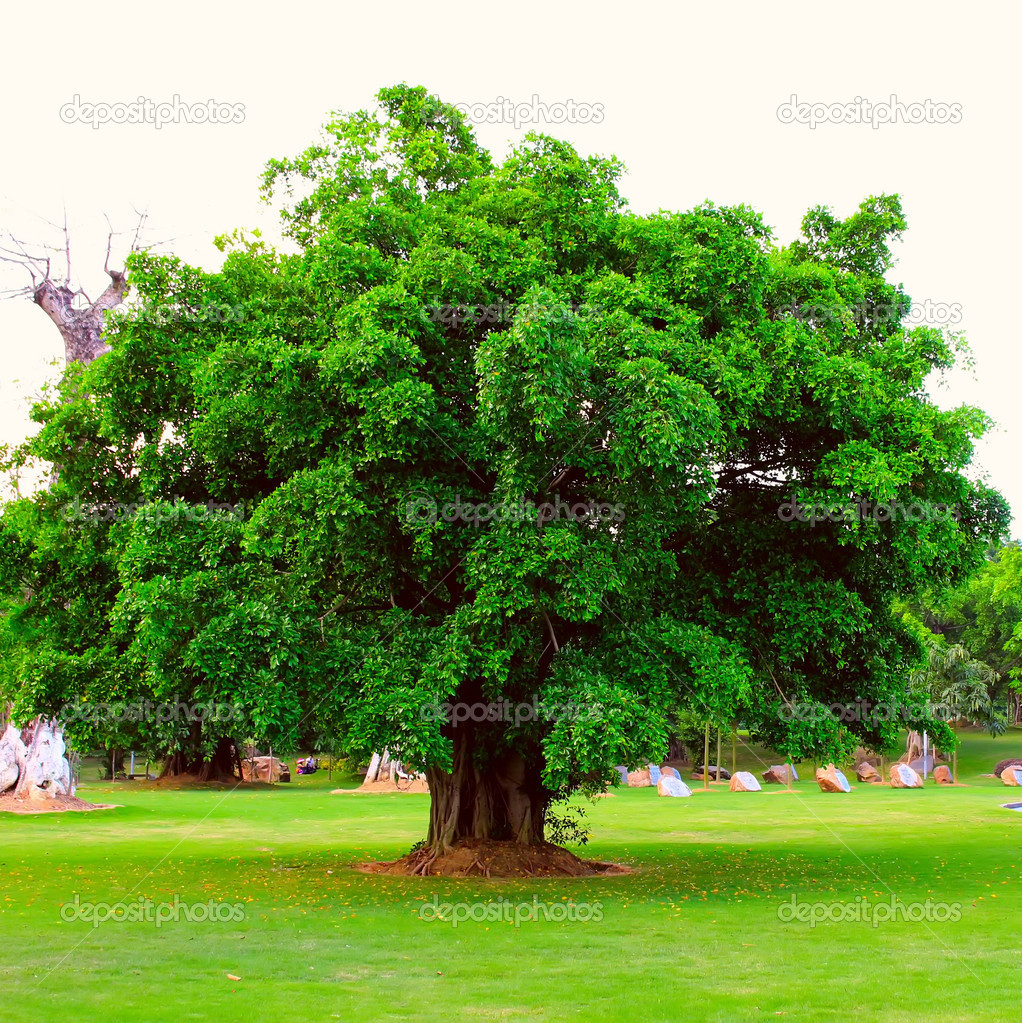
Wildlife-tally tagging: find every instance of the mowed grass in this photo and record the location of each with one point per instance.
(693, 934)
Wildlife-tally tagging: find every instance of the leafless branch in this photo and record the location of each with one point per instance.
(67, 246)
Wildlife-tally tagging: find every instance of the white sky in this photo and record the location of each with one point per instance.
(689, 95)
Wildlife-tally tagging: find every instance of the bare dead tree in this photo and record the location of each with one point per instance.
(78, 318)
(33, 764)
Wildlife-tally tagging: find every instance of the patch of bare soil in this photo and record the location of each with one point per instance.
(62, 804)
(415, 785)
(479, 858)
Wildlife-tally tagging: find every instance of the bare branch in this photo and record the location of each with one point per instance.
(550, 626)
(67, 246)
(109, 242)
(142, 217)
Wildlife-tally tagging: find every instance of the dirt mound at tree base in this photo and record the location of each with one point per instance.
(60, 804)
(479, 858)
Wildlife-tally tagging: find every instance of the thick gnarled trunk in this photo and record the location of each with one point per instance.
(496, 798)
(223, 765)
(33, 766)
(81, 327)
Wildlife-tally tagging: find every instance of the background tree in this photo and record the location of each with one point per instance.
(984, 615)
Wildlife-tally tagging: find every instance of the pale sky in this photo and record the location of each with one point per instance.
(688, 98)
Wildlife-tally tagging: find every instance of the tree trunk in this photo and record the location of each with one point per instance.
(82, 332)
(114, 762)
(81, 329)
(706, 756)
(32, 762)
(223, 765)
(502, 799)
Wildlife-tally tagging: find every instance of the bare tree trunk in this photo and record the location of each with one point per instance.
(81, 329)
(82, 332)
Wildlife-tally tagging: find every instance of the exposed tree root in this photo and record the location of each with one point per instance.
(487, 858)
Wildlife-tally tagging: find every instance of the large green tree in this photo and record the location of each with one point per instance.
(522, 473)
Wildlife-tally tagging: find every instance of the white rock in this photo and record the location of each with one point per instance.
(668, 786)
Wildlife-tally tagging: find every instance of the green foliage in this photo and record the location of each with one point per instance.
(659, 373)
(567, 827)
(984, 616)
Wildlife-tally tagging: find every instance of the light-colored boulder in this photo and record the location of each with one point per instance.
(268, 769)
(942, 775)
(1002, 764)
(830, 779)
(743, 781)
(45, 773)
(670, 786)
(866, 772)
(1012, 776)
(903, 777)
(12, 752)
(777, 774)
(639, 779)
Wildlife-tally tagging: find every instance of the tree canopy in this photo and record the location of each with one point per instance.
(483, 437)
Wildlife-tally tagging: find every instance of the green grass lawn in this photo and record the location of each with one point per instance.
(693, 934)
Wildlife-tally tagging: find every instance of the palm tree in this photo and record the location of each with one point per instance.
(952, 678)
(956, 681)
